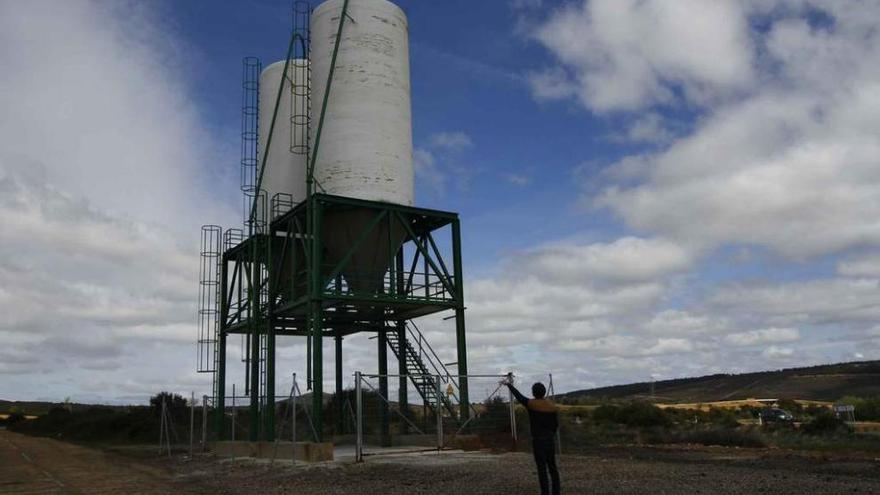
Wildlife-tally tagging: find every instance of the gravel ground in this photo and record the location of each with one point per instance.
(618, 471)
(40, 465)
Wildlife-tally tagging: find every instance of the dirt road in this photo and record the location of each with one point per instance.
(31, 465)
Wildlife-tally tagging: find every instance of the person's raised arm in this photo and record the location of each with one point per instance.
(520, 397)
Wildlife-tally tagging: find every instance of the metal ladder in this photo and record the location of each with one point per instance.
(423, 366)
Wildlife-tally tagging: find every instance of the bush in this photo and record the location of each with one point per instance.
(725, 437)
(605, 413)
(15, 418)
(867, 408)
(638, 414)
(723, 417)
(826, 423)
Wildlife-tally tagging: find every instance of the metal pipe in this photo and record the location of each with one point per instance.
(359, 448)
(293, 391)
(192, 421)
(233, 412)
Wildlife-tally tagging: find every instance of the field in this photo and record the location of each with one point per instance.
(816, 383)
(40, 465)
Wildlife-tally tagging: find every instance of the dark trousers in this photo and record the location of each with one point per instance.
(545, 458)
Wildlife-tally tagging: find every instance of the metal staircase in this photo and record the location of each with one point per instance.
(424, 368)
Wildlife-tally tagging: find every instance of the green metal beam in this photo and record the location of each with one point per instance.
(446, 282)
(460, 338)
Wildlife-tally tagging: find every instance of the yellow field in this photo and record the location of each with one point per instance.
(705, 406)
(733, 404)
(26, 416)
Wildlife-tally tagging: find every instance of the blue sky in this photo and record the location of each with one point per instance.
(648, 188)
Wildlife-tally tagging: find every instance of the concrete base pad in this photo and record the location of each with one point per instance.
(305, 451)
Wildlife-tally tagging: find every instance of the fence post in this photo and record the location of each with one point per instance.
(192, 421)
(359, 448)
(559, 433)
(293, 391)
(205, 422)
(512, 409)
(233, 412)
(162, 425)
(439, 414)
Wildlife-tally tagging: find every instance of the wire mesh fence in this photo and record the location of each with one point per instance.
(430, 418)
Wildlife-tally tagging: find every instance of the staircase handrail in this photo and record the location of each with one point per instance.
(417, 335)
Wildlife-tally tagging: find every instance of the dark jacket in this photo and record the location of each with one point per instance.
(543, 415)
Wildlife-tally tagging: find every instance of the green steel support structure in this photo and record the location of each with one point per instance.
(313, 293)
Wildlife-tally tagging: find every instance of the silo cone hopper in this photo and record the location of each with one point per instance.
(365, 241)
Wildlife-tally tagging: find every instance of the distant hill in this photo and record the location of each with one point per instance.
(39, 408)
(825, 383)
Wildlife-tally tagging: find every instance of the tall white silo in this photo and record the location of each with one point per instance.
(365, 149)
(285, 171)
(366, 146)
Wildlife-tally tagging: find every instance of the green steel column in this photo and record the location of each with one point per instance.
(220, 399)
(383, 387)
(269, 412)
(254, 329)
(340, 410)
(317, 320)
(402, 394)
(461, 342)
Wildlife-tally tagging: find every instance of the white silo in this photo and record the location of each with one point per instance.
(365, 148)
(285, 172)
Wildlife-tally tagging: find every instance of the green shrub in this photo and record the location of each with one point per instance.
(826, 423)
(867, 408)
(723, 436)
(637, 414)
(606, 413)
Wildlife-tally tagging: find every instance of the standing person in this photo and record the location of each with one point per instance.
(543, 423)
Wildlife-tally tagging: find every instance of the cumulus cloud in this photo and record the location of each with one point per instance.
(784, 154)
(628, 259)
(860, 266)
(451, 141)
(441, 158)
(768, 335)
(103, 163)
(624, 54)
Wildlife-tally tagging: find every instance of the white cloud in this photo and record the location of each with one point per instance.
(428, 171)
(519, 180)
(778, 353)
(764, 336)
(441, 159)
(624, 54)
(451, 141)
(629, 259)
(105, 176)
(651, 128)
(817, 302)
(672, 322)
(790, 165)
(862, 266)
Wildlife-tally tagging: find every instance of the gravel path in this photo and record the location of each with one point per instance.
(33, 465)
(617, 471)
(40, 465)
